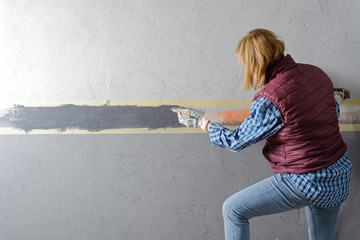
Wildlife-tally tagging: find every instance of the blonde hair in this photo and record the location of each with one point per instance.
(259, 49)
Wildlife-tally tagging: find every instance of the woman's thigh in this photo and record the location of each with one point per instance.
(272, 195)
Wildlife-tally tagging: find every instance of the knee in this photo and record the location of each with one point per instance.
(230, 210)
(225, 208)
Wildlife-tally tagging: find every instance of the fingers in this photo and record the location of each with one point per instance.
(185, 115)
(180, 111)
(190, 113)
(175, 110)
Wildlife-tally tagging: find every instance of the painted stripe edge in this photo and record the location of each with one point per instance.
(13, 131)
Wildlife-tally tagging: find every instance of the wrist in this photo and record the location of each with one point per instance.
(203, 123)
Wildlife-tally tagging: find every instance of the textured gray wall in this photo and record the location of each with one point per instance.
(162, 186)
(162, 49)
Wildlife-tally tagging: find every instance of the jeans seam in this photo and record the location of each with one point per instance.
(277, 184)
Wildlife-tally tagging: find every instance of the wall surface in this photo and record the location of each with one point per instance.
(151, 186)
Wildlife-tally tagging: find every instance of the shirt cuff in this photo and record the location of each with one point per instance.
(214, 133)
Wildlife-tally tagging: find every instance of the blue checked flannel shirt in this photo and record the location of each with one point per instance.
(325, 187)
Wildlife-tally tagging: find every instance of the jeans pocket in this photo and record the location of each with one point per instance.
(298, 195)
(307, 187)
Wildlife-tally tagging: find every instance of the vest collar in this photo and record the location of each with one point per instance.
(286, 62)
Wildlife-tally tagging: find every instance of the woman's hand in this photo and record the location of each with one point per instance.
(191, 118)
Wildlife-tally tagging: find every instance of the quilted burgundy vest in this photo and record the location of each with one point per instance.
(310, 138)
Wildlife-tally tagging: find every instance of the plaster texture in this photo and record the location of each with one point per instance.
(162, 49)
(130, 187)
(155, 186)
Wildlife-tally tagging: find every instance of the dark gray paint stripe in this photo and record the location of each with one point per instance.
(94, 118)
(91, 118)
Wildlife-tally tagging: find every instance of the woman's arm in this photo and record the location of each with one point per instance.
(264, 121)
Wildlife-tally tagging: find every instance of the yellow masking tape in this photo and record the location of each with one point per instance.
(184, 103)
(349, 127)
(351, 102)
(13, 131)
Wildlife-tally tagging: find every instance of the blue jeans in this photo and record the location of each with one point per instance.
(274, 195)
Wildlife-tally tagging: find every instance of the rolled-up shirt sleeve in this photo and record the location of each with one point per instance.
(264, 121)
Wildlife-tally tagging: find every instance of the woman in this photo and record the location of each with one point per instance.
(296, 113)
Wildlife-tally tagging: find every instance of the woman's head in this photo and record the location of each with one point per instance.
(257, 51)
